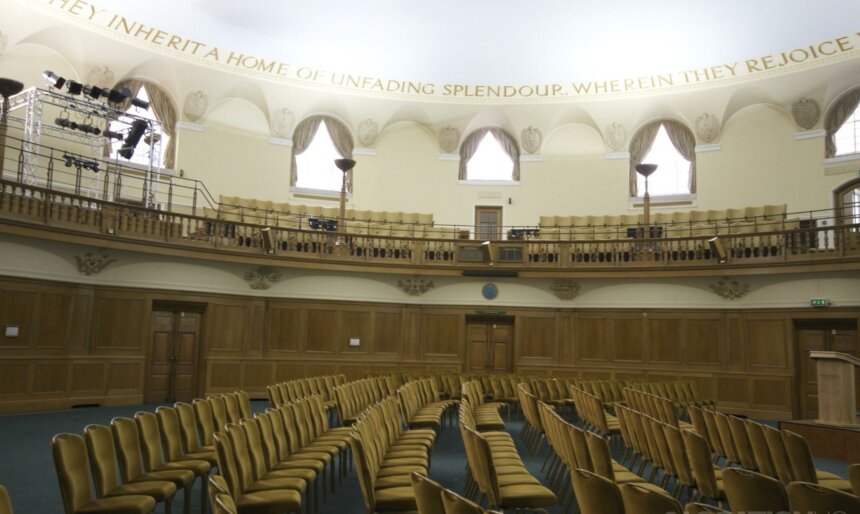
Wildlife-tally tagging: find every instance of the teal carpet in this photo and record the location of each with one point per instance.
(27, 469)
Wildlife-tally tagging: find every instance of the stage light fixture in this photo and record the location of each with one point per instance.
(112, 135)
(138, 127)
(53, 80)
(137, 102)
(94, 92)
(487, 253)
(118, 96)
(75, 88)
(718, 250)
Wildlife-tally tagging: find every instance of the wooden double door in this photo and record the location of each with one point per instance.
(490, 344)
(173, 358)
(837, 335)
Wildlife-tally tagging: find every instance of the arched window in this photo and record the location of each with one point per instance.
(490, 154)
(317, 142)
(842, 124)
(848, 204)
(160, 109)
(671, 146)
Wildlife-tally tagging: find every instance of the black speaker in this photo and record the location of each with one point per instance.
(138, 127)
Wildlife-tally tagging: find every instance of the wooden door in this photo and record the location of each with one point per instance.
(825, 335)
(488, 223)
(173, 356)
(490, 346)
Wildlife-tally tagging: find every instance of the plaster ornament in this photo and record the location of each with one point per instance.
(806, 112)
(616, 136)
(415, 286)
(367, 133)
(449, 139)
(195, 105)
(3, 40)
(101, 76)
(263, 277)
(91, 264)
(707, 127)
(730, 289)
(565, 289)
(531, 138)
(282, 123)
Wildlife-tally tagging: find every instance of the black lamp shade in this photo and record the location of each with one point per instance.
(646, 169)
(344, 164)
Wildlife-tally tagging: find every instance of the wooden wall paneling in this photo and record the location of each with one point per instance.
(536, 337)
(442, 335)
(257, 329)
(388, 331)
(14, 378)
(628, 339)
(82, 314)
(566, 353)
(733, 390)
(768, 343)
(54, 321)
(704, 340)
(323, 330)
(591, 344)
(284, 329)
(358, 324)
(125, 377)
(735, 356)
(17, 308)
(412, 323)
(772, 394)
(289, 370)
(664, 339)
(88, 378)
(50, 377)
(227, 327)
(353, 371)
(223, 376)
(121, 323)
(257, 375)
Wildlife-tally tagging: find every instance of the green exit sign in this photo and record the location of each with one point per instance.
(819, 302)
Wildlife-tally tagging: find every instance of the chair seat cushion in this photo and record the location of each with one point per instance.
(395, 498)
(120, 505)
(161, 490)
(526, 496)
(270, 502)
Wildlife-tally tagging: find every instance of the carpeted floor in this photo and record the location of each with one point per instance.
(27, 469)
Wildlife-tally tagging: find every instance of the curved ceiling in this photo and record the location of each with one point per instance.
(500, 41)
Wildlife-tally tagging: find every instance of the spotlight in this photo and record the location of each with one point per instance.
(116, 97)
(133, 138)
(75, 88)
(53, 79)
(63, 122)
(95, 92)
(137, 102)
(718, 250)
(112, 135)
(487, 253)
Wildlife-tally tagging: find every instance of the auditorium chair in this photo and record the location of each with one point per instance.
(803, 467)
(681, 461)
(72, 466)
(639, 499)
(102, 453)
(171, 437)
(219, 411)
(267, 501)
(456, 504)
(596, 494)
(854, 478)
(231, 404)
(604, 466)
(703, 508)
(188, 434)
(205, 422)
(428, 494)
(282, 458)
(713, 435)
(224, 505)
(127, 439)
(727, 440)
(743, 445)
(761, 452)
(704, 474)
(748, 491)
(805, 497)
(5, 502)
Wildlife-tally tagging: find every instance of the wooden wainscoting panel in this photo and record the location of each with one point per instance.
(772, 394)
(13, 378)
(566, 351)
(412, 333)
(258, 375)
(17, 308)
(357, 325)
(55, 316)
(125, 377)
(704, 386)
(733, 389)
(224, 376)
(537, 337)
(442, 335)
(704, 341)
(388, 333)
(255, 343)
(768, 345)
(50, 377)
(323, 330)
(121, 324)
(287, 370)
(88, 377)
(664, 338)
(80, 334)
(353, 371)
(592, 340)
(628, 340)
(227, 326)
(285, 331)
(735, 356)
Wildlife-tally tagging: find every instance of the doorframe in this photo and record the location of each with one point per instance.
(176, 307)
(498, 319)
(500, 208)
(838, 321)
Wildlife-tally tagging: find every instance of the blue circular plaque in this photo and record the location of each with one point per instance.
(490, 291)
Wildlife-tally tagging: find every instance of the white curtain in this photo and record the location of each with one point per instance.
(302, 137)
(473, 140)
(343, 142)
(165, 112)
(836, 116)
(640, 145)
(683, 141)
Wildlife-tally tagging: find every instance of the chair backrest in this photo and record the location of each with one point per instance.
(205, 421)
(5, 502)
(259, 462)
(703, 508)
(743, 446)
(363, 470)
(713, 434)
(242, 455)
(805, 497)
(595, 494)
(219, 412)
(778, 454)
(700, 462)
(227, 463)
(428, 494)
(234, 414)
(224, 504)
(600, 456)
(456, 504)
(763, 461)
(127, 439)
(150, 439)
(168, 426)
(698, 419)
(854, 477)
(726, 438)
(748, 491)
(800, 457)
(187, 426)
(641, 500)
(100, 447)
(72, 465)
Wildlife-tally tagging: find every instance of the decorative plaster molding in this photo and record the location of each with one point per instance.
(368, 131)
(101, 76)
(364, 151)
(531, 158)
(617, 156)
(730, 289)
(707, 127)
(195, 105)
(91, 264)
(277, 141)
(415, 286)
(716, 147)
(565, 288)
(806, 112)
(449, 139)
(263, 277)
(282, 123)
(193, 127)
(616, 136)
(531, 139)
(448, 157)
(810, 134)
